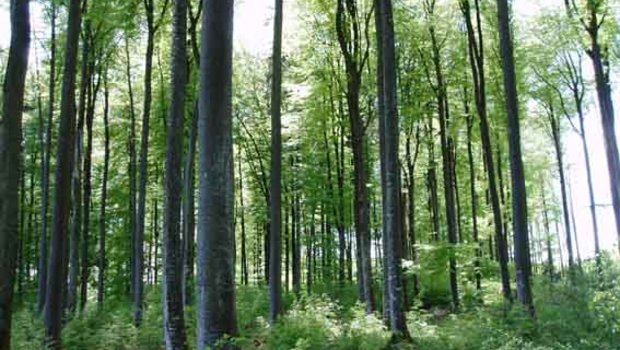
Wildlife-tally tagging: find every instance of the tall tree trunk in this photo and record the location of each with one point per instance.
(355, 59)
(64, 163)
(104, 194)
(10, 154)
(296, 239)
(600, 65)
(474, 198)
(216, 267)
(87, 189)
(557, 143)
(132, 165)
(244, 259)
(275, 208)
(174, 322)
(389, 117)
(46, 167)
(447, 156)
(76, 229)
(519, 196)
(189, 218)
(138, 238)
(476, 58)
(547, 235)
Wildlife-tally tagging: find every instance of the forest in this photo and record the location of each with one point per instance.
(345, 174)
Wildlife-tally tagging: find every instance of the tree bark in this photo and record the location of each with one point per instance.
(355, 58)
(104, 194)
(10, 154)
(476, 58)
(389, 117)
(519, 196)
(46, 167)
(216, 268)
(174, 321)
(275, 208)
(64, 164)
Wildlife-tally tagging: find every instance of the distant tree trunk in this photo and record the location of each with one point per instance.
(87, 189)
(76, 224)
(476, 58)
(216, 267)
(431, 182)
(45, 173)
(138, 238)
(411, 162)
(474, 197)
(174, 322)
(64, 164)
(355, 57)
(447, 156)
(156, 241)
(519, 197)
(244, 259)
(600, 65)
(275, 209)
(557, 143)
(104, 194)
(389, 117)
(296, 236)
(132, 166)
(547, 235)
(10, 154)
(189, 219)
(574, 222)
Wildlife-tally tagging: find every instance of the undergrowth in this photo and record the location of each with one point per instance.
(580, 315)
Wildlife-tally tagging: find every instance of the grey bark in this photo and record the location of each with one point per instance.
(64, 163)
(10, 154)
(389, 117)
(275, 208)
(519, 196)
(216, 255)
(174, 321)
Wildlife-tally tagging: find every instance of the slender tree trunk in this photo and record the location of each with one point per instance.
(476, 58)
(557, 143)
(244, 259)
(216, 268)
(189, 219)
(64, 164)
(138, 237)
(10, 154)
(87, 190)
(275, 208)
(519, 196)
(132, 166)
(104, 194)
(600, 65)
(448, 160)
(174, 322)
(353, 52)
(574, 222)
(547, 236)
(46, 167)
(474, 199)
(389, 117)
(76, 230)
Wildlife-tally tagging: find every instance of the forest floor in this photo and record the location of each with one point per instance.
(582, 315)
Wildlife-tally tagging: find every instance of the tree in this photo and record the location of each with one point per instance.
(174, 322)
(57, 262)
(45, 173)
(138, 237)
(519, 197)
(275, 208)
(216, 255)
(104, 193)
(592, 21)
(349, 27)
(476, 59)
(391, 195)
(10, 154)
